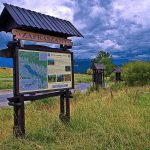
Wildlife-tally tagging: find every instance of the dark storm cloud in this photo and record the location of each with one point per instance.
(111, 27)
(121, 27)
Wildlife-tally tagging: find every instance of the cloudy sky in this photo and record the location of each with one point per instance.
(121, 27)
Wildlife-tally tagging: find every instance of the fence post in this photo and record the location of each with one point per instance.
(111, 94)
(135, 98)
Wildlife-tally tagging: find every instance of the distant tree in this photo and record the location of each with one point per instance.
(106, 59)
(89, 71)
(101, 55)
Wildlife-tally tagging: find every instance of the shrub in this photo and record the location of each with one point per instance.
(118, 86)
(112, 77)
(89, 72)
(137, 73)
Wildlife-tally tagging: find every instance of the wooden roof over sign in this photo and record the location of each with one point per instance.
(13, 17)
(98, 66)
(117, 70)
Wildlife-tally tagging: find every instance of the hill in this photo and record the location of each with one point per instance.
(6, 62)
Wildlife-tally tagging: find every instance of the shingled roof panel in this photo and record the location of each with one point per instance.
(45, 22)
(27, 19)
(50, 23)
(98, 66)
(31, 21)
(117, 70)
(23, 17)
(14, 15)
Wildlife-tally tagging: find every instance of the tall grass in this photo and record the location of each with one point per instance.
(83, 78)
(98, 121)
(6, 84)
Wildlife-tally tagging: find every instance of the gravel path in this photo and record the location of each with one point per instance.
(3, 98)
(82, 87)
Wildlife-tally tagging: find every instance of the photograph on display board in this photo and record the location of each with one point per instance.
(60, 67)
(51, 78)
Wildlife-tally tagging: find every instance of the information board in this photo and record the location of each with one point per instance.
(40, 70)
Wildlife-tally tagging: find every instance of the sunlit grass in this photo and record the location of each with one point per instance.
(82, 78)
(6, 84)
(6, 73)
(98, 121)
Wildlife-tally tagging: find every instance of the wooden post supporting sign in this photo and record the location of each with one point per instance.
(17, 102)
(62, 107)
(67, 106)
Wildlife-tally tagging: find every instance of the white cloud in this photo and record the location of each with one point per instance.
(143, 56)
(132, 10)
(107, 44)
(80, 24)
(96, 11)
(115, 56)
(104, 24)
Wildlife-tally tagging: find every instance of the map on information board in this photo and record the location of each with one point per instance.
(32, 70)
(44, 70)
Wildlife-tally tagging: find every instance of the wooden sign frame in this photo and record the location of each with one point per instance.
(41, 49)
(17, 101)
(10, 23)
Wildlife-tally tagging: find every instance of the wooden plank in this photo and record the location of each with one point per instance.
(42, 96)
(16, 72)
(38, 37)
(72, 69)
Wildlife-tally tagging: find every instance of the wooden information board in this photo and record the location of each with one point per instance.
(42, 70)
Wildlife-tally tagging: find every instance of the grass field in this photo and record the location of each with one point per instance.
(6, 84)
(98, 121)
(6, 73)
(82, 78)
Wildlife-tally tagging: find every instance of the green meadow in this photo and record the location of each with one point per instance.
(116, 120)
(6, 78)
(82, 78)
(6, 73)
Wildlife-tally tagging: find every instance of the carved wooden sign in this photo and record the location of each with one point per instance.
(31, 36)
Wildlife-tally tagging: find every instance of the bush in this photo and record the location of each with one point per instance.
(137, 73)
(89, 72)
(112, 77)
(118, 86)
